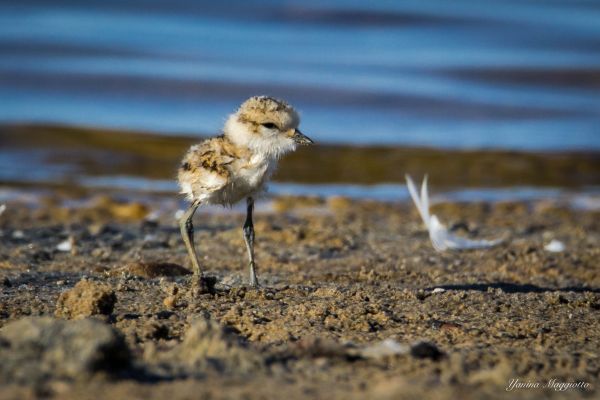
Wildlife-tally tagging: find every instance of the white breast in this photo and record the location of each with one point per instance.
(258, 170)
(247, 181)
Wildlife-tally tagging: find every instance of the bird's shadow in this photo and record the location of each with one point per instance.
(515, 288)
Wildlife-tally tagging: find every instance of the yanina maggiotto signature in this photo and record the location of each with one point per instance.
(515, 384)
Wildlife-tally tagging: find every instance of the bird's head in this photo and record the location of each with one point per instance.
(265, 125)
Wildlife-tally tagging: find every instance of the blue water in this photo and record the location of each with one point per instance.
(519, 74)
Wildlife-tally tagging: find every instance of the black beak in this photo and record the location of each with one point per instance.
(301, 138)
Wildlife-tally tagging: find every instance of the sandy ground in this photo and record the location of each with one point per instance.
(338, 278)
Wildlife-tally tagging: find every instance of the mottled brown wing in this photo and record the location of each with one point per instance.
(204, 169)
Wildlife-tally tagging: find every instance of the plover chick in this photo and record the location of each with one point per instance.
(236, 165)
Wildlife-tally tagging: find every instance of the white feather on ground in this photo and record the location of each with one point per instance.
(440, 237)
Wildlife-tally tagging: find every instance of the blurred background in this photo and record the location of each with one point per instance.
(477, 93)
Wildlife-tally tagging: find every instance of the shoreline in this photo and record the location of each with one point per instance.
(37, 194)
(68, 152)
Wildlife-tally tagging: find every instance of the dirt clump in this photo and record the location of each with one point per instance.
(209, 345)
(36, 349)
(85, 299)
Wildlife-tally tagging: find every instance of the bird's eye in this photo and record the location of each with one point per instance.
(269, 125)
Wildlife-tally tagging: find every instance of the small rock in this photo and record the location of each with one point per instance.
(438, 290)
(67, 245)
(37, 349)
(85, 299)
(2, 209)
(170, 301)
(555, 246)
(18, 234)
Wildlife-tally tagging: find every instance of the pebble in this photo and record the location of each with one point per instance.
(555, 246)
(66, 245)
(170, 301)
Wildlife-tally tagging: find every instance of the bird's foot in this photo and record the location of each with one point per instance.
(202, 285)
(254, 283)
(253, 279)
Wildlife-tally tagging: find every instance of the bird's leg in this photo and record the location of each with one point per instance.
(187, 232)
(249, 238)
